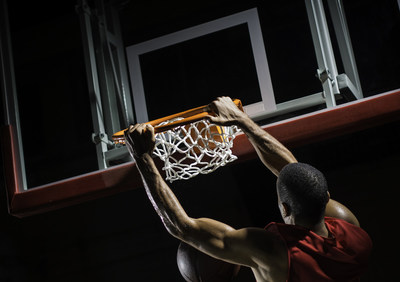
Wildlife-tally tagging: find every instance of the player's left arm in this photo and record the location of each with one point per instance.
(140, 141)
(212, 237)
(271, 152)
(252, 247)
(207, 235)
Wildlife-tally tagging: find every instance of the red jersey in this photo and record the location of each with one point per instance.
(341, 257)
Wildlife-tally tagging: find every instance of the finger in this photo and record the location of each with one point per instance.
(138, 130)
(146, 126)
(151, 135)
(132, 127)
(209, 107)
(213, 108)
(210, 118)
(215, 120)
(148, 130)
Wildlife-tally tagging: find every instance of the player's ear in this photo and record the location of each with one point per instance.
(287, 211)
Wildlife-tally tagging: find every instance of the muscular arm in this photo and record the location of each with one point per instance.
(245, 246)
(212, 237)
(271, 152)
(162, 198)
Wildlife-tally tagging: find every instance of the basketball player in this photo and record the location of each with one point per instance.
(320, 239)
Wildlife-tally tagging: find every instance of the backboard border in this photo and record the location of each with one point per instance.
(302, 130)
(249, 17)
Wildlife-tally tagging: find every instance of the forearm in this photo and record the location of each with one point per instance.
(162, 198)
(271, 152)
(205, 234)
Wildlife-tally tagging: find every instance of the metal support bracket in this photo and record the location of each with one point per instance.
(98, 138)
(334, 84)
(324, 75)
(106, 71)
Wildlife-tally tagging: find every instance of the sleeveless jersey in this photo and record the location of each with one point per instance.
(341, 257)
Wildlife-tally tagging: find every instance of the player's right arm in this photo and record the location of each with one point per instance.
(271, 152)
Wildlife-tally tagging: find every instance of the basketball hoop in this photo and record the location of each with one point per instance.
(189, 144)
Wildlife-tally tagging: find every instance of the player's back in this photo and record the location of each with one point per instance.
(343, 256)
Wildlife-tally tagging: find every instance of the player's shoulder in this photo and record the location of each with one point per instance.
(255, 234)
(270, 251)
(341, 228)
(266, 240)
(279, 229)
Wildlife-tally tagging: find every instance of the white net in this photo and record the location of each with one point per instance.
(198, 148)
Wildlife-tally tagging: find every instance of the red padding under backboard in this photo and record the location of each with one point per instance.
(325, 124)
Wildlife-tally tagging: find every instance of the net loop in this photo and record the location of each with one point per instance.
(197, 148)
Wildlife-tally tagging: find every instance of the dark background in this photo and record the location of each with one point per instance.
(120, 238)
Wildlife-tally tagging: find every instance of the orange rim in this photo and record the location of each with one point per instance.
(188, 116)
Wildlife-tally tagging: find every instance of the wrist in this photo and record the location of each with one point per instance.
(244, 122)
(145, 164)
(143, 158)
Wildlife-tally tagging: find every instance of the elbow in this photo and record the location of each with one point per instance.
(175, 232)
(180, 229)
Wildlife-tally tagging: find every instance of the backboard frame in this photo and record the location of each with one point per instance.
(249, 17)
(295, 132)
(317, 126)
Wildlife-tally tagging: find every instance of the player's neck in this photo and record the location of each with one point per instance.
(319, 228)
